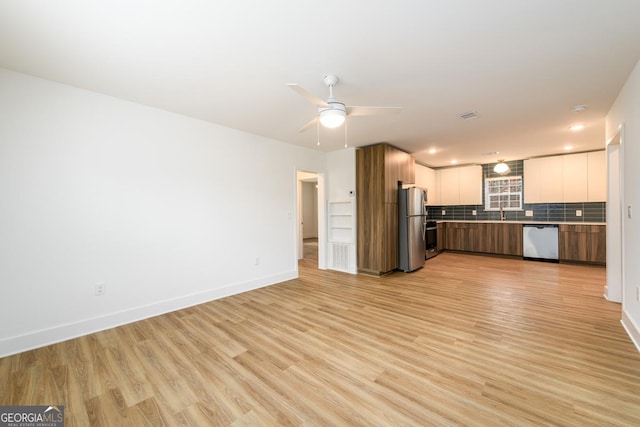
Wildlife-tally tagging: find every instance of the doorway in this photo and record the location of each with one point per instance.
(311, 219)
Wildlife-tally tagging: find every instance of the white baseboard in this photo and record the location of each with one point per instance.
(44, 337)
(632, 329)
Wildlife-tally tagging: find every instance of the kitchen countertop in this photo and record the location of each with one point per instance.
(521, 222)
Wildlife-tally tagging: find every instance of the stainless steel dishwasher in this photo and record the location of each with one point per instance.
(540, 242)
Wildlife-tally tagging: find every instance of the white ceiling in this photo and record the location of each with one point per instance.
(520, 64)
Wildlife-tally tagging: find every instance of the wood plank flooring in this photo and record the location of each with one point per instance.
(467, 340)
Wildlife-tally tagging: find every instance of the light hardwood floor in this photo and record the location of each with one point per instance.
(467, 340)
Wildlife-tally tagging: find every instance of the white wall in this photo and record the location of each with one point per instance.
(626, 110)
(341, 186)
(168, 211)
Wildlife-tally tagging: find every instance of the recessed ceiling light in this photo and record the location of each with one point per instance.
(432, 151)
(576, 127)
(568, 147)
(578, 108)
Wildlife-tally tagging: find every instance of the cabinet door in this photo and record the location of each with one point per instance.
(551, 176)
(470, 185)
(442, 235)
(532, 180)
(426, 178)
(572, 242)
(408, 169)
(597, 241)
(597, 176)
(575, 177)
(449, 186)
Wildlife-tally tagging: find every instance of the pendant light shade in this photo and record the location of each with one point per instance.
(501, 167)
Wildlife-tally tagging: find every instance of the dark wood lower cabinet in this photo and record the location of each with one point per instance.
(576, 242)
(489, 238)
(582, 243)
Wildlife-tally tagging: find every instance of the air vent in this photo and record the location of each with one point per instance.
(468, 115)
(341, 256)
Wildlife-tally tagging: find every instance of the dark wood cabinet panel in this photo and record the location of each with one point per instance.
(506, 239)
(379, 169)
(461, 236)
(583, 243)
(576, 242)
(390, 240)
(490, 238)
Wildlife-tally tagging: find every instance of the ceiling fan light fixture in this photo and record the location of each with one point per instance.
(332, 118)
(501, 167)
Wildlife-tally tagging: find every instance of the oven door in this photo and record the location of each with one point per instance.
(431, 239)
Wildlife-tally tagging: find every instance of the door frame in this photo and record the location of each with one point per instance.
(615, 225)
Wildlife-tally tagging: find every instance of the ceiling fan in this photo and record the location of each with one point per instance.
(332, 113)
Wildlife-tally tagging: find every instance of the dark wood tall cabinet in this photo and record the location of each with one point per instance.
(379, 170)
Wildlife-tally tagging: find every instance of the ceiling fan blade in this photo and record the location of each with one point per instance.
(310, 124)
(372, 111)
(310, 97)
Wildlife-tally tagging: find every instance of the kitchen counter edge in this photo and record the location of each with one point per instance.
(519, 222)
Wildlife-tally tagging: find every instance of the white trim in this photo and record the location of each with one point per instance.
(632, 329)
(614, 289)
(68, 331)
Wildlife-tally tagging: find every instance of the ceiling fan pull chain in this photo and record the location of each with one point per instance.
(345, 132)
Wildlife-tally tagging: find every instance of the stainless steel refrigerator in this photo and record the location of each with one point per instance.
(411, 228)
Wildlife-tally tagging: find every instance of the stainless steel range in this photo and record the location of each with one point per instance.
(431, 239)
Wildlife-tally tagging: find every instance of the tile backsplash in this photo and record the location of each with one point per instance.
(542, 212)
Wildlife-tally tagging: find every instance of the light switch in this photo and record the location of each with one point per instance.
(578, 212)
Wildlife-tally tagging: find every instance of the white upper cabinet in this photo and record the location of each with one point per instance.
(597, 176)
(551, 176)
(573, 178)
(470, 185)
(460, 186)
(531, 179)
(449, 186)
(426, 178)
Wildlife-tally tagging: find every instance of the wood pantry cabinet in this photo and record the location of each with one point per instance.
(582, 243)
(379, 168)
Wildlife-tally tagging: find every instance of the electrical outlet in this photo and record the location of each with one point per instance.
(100, 289)
(528, 213)
(444, 212)
(474, 212)
(578, 212)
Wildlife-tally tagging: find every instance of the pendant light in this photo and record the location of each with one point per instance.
(501, 167)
